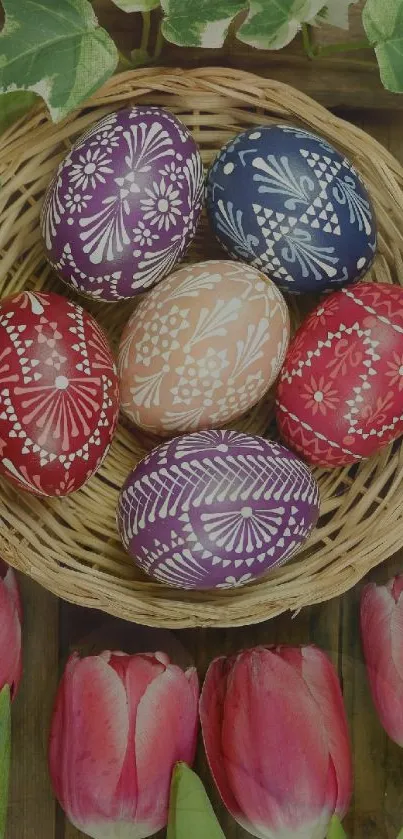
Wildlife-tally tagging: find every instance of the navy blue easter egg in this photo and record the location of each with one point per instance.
(287, 202)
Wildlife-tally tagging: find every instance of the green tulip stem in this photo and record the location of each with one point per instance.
(336, 829)
(143, 55)
(145, 33)
(159, 43)
(124, 62)
(5, 753)
(318, 51)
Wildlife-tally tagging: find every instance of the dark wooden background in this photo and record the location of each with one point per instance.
(351, 86)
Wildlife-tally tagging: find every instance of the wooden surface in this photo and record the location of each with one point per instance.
(52, 629)
(341, 80)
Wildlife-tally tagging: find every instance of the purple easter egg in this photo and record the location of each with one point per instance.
(216, 509)
(124, 204)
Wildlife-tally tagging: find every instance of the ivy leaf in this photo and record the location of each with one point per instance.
(5, 751)
(15, 105)
(191, 815)
(199, 23)
(271, 24)
(137, 5)
(383, 24)
(335, 13)
(55, 49)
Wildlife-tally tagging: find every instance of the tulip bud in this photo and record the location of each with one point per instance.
(382, 639)
(276, 739)
(10, 630)
(120, 725)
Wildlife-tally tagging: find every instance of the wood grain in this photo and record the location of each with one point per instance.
(325, 35)
(31, 804)
(345, 80)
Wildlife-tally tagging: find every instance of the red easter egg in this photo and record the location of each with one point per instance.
(59, 396)
(340, 394)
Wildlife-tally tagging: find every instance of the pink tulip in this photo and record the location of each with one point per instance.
(382, 638)
(276, 739)
(10, 630)
(120, 725)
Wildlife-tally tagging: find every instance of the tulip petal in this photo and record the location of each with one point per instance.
(10, 634)
(136, 672)
(266, 747)
(382, 638)
(211, 709)
(274, 744)
(397, 634)
(11, 583)
(166, 732)
(321, 680)
(88, 740)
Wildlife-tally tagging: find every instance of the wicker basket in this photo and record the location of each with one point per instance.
(70, 545)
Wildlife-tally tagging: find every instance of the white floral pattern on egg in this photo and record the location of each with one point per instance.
(202, 348)
(124, 204)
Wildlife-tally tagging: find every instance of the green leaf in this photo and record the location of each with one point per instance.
(271, 24)
(5, 753)
(137, 5)
(191, 815)
(199, 23)
(336, 830)
(335, 13)
(15, 105)
(54, 48)
(383, 24)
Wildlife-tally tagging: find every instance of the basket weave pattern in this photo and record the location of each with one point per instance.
(71, 545)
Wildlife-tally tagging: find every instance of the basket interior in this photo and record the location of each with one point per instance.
(71, 545)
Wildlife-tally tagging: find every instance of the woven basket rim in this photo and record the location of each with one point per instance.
(362, 530)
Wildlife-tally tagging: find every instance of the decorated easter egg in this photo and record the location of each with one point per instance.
(202, 348)
(288, 202)
(216, 509)
(59, 396)
(340, 394)
(124, 204)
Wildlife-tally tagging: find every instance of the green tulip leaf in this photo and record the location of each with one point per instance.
(272, 24)
(191, 815)
(55, 49)
(336, 830)
(15, 105)
(5, 753)
(383, 24)
(204, 23)
(137, 5)
(335, 13)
